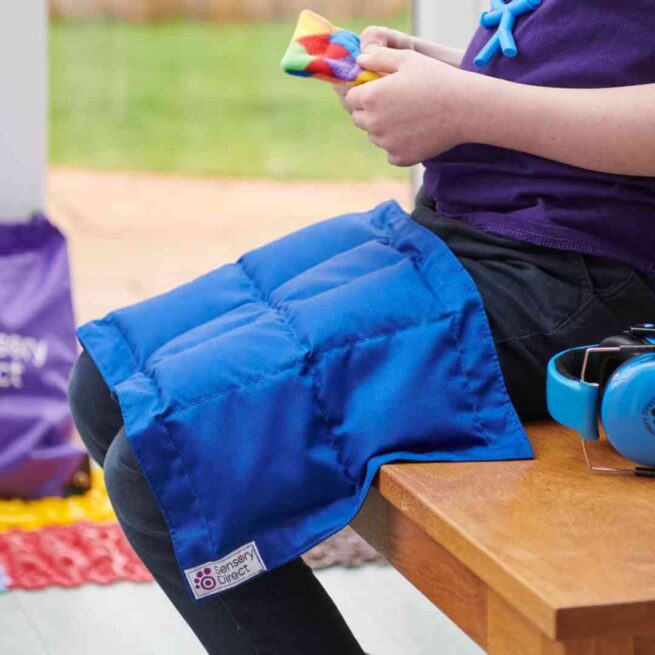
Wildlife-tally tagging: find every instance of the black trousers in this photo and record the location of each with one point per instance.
(541, 301)
(538, 301)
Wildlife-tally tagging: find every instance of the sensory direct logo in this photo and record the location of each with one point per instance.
(204, 580)
(230, 571)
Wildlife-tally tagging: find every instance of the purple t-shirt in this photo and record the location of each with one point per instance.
(573, 44)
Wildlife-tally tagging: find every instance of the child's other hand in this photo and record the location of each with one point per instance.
(372, 37)
(416, 111)
(384, 37)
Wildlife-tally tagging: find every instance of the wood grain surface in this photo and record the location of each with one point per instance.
(542, 554)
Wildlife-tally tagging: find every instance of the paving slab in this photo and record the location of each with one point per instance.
(133, 235)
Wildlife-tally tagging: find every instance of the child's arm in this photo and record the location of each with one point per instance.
(605, 130)
(424, 107)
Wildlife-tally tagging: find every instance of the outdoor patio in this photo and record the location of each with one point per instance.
(133, 235)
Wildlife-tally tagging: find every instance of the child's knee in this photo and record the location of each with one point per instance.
(128, 489)
(122, 471)
(95, 413)
(83, 388)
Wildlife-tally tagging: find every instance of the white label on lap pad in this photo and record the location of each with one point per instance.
(223, 574)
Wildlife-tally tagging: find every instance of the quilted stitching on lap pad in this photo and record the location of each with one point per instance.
(261, 399)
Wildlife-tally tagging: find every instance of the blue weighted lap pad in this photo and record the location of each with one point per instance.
(262, 398)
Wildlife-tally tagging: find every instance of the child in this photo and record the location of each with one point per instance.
(540, 177)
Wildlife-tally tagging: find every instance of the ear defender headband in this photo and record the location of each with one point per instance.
(613, 382)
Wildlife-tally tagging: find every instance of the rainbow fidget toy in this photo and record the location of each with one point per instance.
(319, 49)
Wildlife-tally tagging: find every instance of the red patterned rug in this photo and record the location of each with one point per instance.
(68, 556)
(75, 541)
(86, 552)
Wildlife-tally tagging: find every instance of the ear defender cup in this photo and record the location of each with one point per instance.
(618, 388)
(628, 408)
(610, 362)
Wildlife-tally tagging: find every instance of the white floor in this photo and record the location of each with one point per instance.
(388, 616)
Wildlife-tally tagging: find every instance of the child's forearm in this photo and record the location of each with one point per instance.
(606, 130)
(448, 55)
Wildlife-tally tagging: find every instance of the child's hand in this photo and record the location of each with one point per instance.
(377, 36)
(416, 111)
(342, 91)
(385, 37)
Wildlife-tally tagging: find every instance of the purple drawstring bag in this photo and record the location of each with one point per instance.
(37, 351)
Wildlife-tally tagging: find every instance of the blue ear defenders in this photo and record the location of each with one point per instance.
(614, 381)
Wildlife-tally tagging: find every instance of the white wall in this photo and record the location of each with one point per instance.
(448, 21)
(23, 107)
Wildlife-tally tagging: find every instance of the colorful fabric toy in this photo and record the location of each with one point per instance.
(321, 50)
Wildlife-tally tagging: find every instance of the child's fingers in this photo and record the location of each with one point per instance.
(374, 36)
(341, 90)
(384, 37)
(382, 60)
(359, 119)
(354, 98)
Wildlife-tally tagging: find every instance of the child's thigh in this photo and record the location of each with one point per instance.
(541, 301)
(539, 316)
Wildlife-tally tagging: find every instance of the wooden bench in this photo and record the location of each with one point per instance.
(536, 557)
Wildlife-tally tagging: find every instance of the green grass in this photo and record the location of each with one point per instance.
(199, 99)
